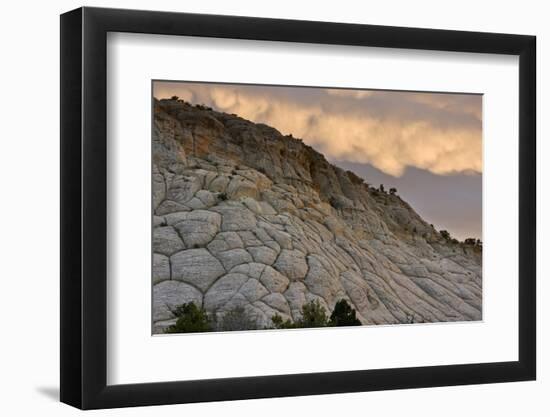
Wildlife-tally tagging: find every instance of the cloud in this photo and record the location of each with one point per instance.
(390, 130)
(349, 93)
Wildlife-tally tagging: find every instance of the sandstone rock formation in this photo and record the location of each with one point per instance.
(244, 216)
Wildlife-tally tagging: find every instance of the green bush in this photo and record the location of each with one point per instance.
(193, 319)
(278, 323)
(236, 319)
(314, 315)
(190, 319)
(344, 315)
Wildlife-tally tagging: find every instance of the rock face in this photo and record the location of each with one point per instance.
(246, 217)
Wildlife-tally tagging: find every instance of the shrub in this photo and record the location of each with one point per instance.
(174, 98)
(445, 234)
(344, 315)
(278, 323)
(190, 319)
(381, 189)
(313, 315)
(393, 191)
(236, 319)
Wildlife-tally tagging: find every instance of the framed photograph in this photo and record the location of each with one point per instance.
(258, 208)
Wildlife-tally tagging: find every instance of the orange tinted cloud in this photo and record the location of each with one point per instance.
(440, 133)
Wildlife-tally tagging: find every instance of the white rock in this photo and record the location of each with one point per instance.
(166, 240)
(234, 257)
(253, 269)
(225, 241)
(196, 204)
(273, 280)
(263, 254)
(198, 227)
(296, 297)
(208, 198)
(197, 267)
(159, 189)
(374, 250)
(169, 294)
(253, 290)
(161, 268)
(219, 184)
(282, 238)
(277, 302)
(320, 282)
(240, 187)
(183, 188)
(249, 238)
(168, 206)
(223, 290)
(235, 218)
(291, 263)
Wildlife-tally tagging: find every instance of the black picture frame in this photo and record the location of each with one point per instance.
(84, 207)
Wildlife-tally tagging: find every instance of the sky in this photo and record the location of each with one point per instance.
(427, 145)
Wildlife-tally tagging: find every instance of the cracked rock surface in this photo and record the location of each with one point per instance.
(247, 217)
